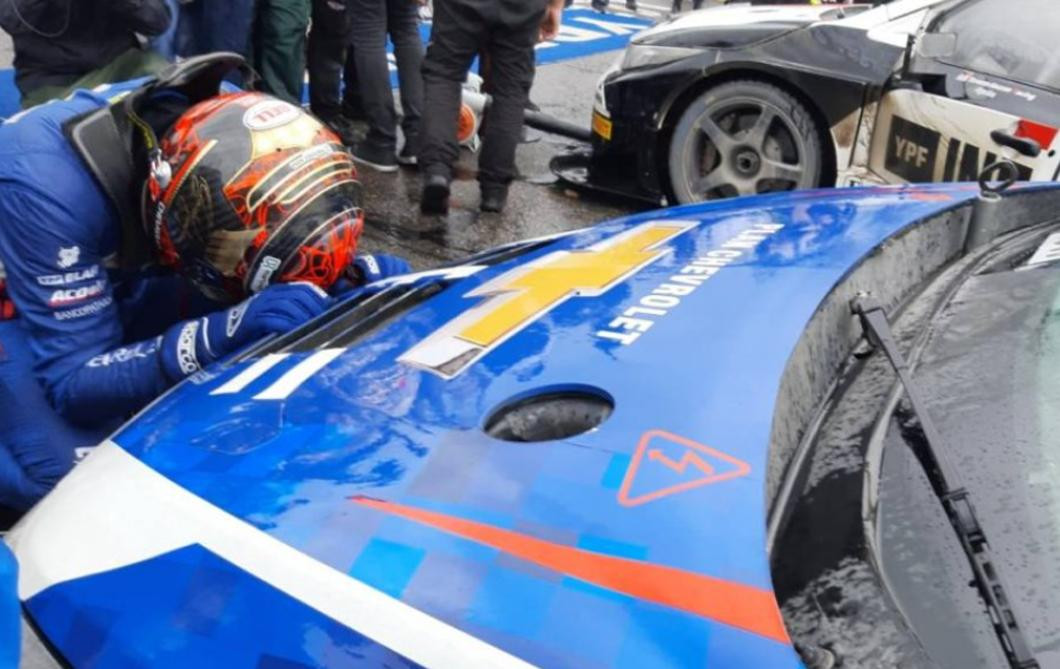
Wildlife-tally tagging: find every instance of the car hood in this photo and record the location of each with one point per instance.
(340, 501)
(734, 25)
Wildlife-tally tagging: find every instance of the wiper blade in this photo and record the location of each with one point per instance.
(954, 497)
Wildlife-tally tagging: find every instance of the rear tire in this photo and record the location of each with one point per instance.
(741, 138)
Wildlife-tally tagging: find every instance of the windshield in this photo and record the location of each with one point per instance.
(993, 39)
(991, 376)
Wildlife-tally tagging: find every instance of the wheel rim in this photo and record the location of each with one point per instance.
(744, 147)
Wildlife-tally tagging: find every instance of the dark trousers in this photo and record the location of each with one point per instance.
(506, 31)
(279, 47)
(352, 104)
(204, 27)
(370, 23)
(214, 26)
(332, 70)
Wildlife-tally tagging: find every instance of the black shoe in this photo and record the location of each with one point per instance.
(408, 156)
(675, 8)
(631, 5)
(343, 127)
(599, 5)
(379, 159)
(434, 198)
(493, 198)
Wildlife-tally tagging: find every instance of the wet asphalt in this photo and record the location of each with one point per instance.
(537, 205)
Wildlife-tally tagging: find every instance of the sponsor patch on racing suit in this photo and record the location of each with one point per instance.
(86, 334)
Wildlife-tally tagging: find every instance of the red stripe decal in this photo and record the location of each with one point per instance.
(743, 606)
(1043, 134)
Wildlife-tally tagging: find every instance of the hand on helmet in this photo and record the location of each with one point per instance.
(188, 347)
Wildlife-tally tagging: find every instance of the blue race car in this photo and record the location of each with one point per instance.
(670, 440)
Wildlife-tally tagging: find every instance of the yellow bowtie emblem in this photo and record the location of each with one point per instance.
(516, 298)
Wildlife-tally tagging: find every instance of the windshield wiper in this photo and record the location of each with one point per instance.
(946, 482)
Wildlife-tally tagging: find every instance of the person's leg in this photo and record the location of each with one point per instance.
(186, 40)
(279, 47)
(37, 447)
(325, 56)
(403, 24)
(368, 33)
(352, 104)
(456, 34)
(512, 61)
(17, 491)
(166, 43)
(215, 26)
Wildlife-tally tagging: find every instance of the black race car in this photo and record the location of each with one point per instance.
(745, 99)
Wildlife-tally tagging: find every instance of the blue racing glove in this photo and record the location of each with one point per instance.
(380, 266)
(188, 347)
(367, 269)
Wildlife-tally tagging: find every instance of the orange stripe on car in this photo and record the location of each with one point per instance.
(742, 606)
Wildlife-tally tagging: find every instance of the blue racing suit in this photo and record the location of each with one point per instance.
(83, 348)
(89, 343)
(10, 613)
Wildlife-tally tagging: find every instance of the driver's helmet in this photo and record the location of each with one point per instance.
(249, 190)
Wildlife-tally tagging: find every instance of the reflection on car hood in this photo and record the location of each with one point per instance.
(339, 505)
(733, 25)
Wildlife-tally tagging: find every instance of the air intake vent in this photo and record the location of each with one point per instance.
(550, 414)
(505, 253)
(349, 321)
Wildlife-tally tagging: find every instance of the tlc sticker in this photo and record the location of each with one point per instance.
(269, 114)
(666, 464)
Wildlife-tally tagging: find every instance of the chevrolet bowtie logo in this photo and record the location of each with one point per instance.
(516, 298)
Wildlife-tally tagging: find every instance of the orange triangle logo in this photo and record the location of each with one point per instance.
(666, 464)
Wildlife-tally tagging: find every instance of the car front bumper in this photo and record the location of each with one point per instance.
(630, 132)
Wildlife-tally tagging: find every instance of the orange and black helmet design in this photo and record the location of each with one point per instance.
(250, 190)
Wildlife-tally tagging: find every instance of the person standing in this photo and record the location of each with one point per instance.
(205, 27)
(507, 31)
(166, 43)
(370, 23)
(601, 5)
(334, 93)
(696, 4)
(279, 46)
(61, 45)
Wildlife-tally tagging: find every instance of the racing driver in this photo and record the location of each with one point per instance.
(147, 230)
